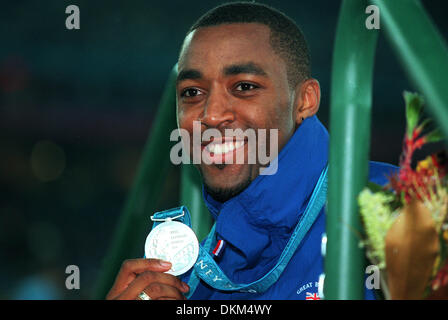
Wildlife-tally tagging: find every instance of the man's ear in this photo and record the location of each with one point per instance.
(307, 100)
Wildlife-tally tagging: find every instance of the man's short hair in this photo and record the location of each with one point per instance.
(286, 38)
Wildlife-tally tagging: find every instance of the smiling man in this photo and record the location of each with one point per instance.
(246, 66)
(231, 77)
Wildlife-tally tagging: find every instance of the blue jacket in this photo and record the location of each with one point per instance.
(257, 223)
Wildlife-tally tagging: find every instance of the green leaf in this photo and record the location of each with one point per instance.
(424, 123)
(414, 105)
(374, 187)
(434, 136)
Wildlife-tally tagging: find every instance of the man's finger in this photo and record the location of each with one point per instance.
(148, 278)
(137, 266)
(131, 268)
(160, 291)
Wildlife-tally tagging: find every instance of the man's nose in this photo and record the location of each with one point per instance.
(217, 110)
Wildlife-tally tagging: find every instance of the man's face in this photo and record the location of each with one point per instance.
(230, 78)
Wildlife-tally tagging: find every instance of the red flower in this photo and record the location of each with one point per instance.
(421, 182)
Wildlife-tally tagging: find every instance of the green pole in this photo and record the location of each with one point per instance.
(191, 196)
(134, 221)
(421, 50)
(424, 56)
(350, 113)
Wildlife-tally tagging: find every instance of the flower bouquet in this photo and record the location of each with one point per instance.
(405, 222)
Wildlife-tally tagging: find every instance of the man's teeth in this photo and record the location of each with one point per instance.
(220, 148)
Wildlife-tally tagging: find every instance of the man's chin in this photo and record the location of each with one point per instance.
(223, 189)
(224, 193)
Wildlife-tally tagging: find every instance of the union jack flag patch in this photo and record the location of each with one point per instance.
(312, 296)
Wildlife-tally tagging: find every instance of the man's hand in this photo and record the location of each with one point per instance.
(147, 275)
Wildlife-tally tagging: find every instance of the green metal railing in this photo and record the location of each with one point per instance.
(155, 164)
(424, 57)
(411, 33)
(191, 196)
(351, 100)
(142, 200)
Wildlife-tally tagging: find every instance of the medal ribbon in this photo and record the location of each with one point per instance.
(181, 213)
(208, 270)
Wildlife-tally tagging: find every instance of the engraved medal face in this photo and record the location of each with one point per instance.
(175, 242)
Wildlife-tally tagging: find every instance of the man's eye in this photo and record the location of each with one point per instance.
(190, 92)
(244, 86)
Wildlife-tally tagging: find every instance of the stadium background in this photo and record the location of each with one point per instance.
(76, 107)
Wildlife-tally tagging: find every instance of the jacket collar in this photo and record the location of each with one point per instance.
(271, 205)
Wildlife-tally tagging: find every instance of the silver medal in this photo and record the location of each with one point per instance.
(175, 242)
